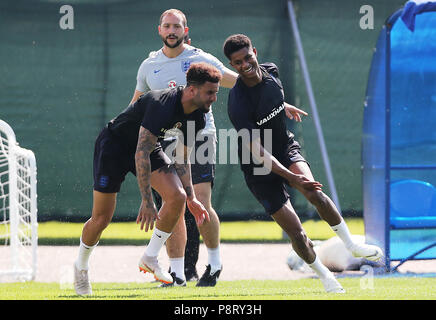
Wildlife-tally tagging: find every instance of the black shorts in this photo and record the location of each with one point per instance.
(271, 190)
(203, 165)
(203, 169)
(292, 154)
(203, 173)
(112, 161)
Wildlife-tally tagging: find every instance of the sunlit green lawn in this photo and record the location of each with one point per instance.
(358, 288)
(62, 233)
(408, 288)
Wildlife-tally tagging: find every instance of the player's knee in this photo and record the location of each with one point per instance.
(317, 198)
(177, 198)
(300, 238)
(101, 221)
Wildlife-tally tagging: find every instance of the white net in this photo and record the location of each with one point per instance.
(18, 208)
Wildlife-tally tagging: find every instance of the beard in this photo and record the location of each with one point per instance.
(205, 108)
(175, 45)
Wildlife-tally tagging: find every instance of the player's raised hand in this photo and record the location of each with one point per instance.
(300, 181)
(147, 215)
(293, 112)
(198, 211)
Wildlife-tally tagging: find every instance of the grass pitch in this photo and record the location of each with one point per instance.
(358, 288)
(128, 233)
(398, 288)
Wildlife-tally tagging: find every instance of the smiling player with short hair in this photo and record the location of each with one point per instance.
(256, 102)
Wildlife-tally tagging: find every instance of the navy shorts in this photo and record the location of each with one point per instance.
(271, 190)
(113, 160)
(203, 173)
(203, 166)
(203, 169)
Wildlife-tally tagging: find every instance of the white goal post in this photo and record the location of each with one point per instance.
(18, 209)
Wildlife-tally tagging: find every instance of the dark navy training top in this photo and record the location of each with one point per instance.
(260, 107)
(160, 112)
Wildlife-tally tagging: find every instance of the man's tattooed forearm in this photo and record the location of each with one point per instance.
(181, 169)
(188, 191)
(146, 141)
(146, 144)
(184, 173)
(143, 173)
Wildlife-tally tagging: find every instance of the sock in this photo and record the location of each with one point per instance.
(344, 234)
(320, 269)
(177, 265)
(156, 243)
(214, 259)
(82, 262)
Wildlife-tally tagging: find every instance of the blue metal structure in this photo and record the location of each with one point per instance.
(399, 137)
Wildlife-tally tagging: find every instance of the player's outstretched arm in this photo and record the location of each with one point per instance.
(297, 181)
(147, 212)
(183, 169)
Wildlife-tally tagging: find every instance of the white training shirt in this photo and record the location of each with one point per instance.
(160, 72)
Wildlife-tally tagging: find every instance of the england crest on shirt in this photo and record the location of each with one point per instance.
(185, 65)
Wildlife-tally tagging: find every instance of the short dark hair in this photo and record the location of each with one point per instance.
(201, 72)
(236, 42)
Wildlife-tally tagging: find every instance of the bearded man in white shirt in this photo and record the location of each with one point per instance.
(167, 68)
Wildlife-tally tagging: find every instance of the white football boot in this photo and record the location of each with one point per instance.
(367, 251)
(81, 282)
(151, 264)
